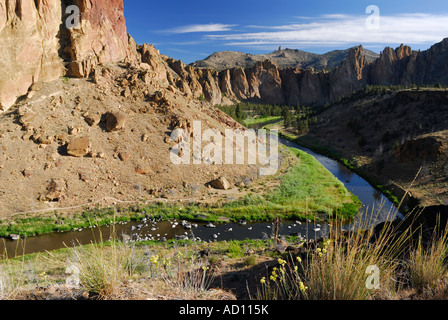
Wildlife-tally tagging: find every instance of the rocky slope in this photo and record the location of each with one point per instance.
(103, 134)
(394, 138)
(284, 58)
(87, 118)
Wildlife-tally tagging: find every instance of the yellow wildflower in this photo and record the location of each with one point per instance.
(302, 286)
(281, 261)
(154, 259)
(263, 280)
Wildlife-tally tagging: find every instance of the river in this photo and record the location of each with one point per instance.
(376, 208)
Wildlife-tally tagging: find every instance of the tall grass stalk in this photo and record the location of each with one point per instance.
(104, 266)
(12, 279)
(102, 269)
(190, 276)
(10, 283)
(336, 268)
(426, 264)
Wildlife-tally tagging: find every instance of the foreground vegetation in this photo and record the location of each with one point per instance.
(350, 266)
(356, 265)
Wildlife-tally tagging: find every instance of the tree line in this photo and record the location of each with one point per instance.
(297, 118)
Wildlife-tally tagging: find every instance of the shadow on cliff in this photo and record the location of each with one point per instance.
(64, 33)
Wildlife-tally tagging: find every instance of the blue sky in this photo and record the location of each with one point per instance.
(190, 30)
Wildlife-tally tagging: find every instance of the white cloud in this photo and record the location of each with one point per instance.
(345, 29)
(216, 27)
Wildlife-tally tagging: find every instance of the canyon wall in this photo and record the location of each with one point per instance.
(267, 83)
(36, 44)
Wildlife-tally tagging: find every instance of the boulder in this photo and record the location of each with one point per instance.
(14, 237)
(79, 147)
(115, 121)
(124, 156)
(56, 190)
(93, 119)
(220, 183)
(27, 118)
(142, 170)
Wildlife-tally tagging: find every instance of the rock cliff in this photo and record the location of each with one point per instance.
(265, 82)
(100, 38)
(37, 46)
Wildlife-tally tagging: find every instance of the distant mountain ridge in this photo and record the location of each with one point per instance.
(266, 82)
(283, 58)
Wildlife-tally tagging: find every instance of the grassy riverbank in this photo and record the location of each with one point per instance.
(260, 120)
(311, 144)
(304, 190)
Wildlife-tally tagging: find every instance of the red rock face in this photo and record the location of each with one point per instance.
(99, 11)
(29, 46)
(31, 34)
(101, 38)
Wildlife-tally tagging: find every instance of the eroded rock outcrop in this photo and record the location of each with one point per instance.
(425, 148)
(29, 46)
(37, 47)
(351, 74)
(100, 38)
(36, 44)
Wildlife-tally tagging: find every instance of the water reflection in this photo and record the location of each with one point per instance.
(377, 195)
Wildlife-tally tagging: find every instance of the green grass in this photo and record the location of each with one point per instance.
(312, 188)
(26, 225)
(252, 121)
(307, 190)
(311, 144)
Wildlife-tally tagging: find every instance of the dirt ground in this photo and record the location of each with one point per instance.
(130, 163)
